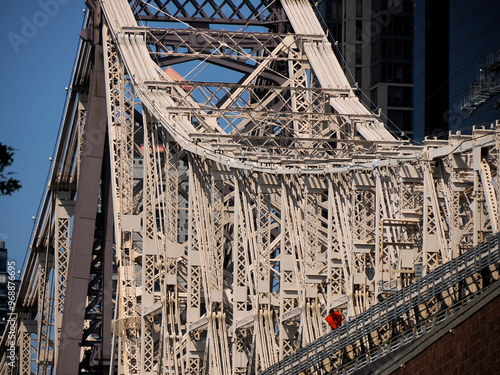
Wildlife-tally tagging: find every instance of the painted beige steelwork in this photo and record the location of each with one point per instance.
(242, 211)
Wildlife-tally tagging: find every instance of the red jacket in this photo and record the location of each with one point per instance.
(334, 319)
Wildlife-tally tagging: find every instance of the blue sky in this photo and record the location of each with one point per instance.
(38, 44)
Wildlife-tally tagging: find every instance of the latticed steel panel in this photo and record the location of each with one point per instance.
(216, 191)
(243, 12)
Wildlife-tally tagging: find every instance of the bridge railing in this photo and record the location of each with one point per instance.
(408, 335)
(401, 302)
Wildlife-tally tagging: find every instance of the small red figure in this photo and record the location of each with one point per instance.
(334, 318)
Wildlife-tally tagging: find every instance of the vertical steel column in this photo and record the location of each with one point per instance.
(64, 211)
(336, 276)
(129, 345)
(434, 243)
(311, 240)
(240, 279)
(195, 347)
(266, 348)
(381, 257)
(219, 350)
(25, 347)
(149, 241)
(478, 202)
(364, 227)
(455, 221)
(342, 207)
(108, 260)
(171, 251)
(288, 282)
(120, 100)
(45, 351)
(85, 213)
(300, 97)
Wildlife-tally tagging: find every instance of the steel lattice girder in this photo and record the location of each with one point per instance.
(201, 13)
(243, 207)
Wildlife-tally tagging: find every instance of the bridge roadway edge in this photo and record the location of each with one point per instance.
(455, 346)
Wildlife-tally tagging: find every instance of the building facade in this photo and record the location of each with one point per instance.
(453, 39)
(4, 307)
(375, 45)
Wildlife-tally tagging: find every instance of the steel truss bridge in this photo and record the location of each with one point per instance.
(218, 187)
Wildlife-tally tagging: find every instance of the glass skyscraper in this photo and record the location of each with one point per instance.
(452, 39)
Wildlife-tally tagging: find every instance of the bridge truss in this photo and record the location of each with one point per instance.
(218, 187)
